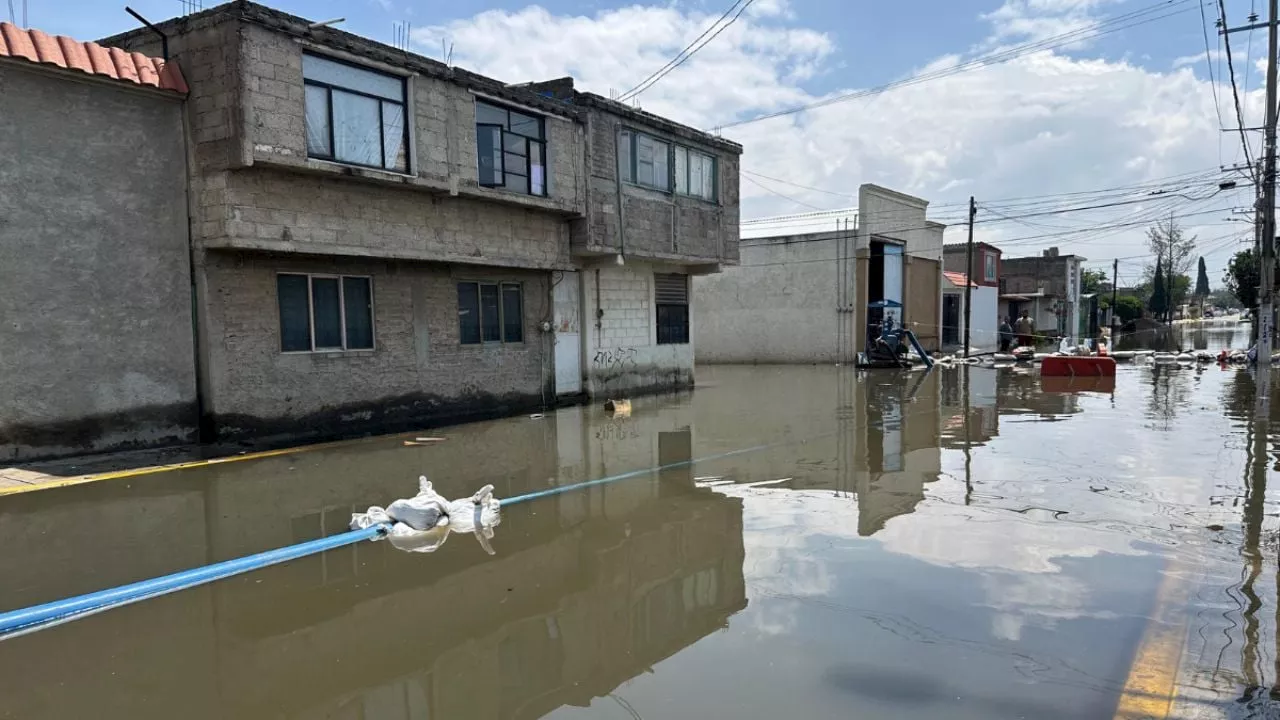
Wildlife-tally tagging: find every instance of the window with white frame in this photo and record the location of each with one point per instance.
(989, 267)
(355, 115)
(511, 149)
(490, 312)
(325, 312)
(695, 173)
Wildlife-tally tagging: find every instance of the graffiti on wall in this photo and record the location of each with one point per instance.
(615, 359)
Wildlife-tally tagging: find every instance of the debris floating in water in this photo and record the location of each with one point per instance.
(619, 408)
(423, 522)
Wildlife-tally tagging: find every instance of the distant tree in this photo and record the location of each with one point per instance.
(1242, 278)
(1091, 281)
(1159, 302)
(1128, 308)
(1171, 247)
(1202, 282)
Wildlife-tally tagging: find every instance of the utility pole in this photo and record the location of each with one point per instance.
(1115, 287)
(1266, 219)
(968, 274)
(1266, 295)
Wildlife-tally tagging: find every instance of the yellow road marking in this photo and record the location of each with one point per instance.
(154, 469)
(1151, 685)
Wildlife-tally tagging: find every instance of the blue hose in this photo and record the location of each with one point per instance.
(39, 617)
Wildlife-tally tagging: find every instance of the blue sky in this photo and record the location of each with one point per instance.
(1120, 109)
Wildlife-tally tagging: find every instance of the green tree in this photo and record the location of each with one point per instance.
(1242, 278)
(1091, 281)
(1202, 282)
(1128, 308)
(1159, 302)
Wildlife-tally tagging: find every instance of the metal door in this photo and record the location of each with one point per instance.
(566, 304)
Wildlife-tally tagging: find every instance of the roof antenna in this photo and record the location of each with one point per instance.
(448, 60)
(164, 39)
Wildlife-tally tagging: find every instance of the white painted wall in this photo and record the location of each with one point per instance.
(985, 318)
(622, 353)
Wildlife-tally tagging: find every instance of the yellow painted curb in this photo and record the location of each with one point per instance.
(154, 469)
(1151, 685)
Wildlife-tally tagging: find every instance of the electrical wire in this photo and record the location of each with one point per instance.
(686, 53)
(1235, 93)
(760, 185)
(1097, 29)
(1213, 83)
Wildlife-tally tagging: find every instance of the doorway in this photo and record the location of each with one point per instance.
(950, 319)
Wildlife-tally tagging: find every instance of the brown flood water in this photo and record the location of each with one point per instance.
(884, 554)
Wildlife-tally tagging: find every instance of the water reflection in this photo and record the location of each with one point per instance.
(586, 591)
(966, 543)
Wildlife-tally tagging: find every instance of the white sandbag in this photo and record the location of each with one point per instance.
(478, 514)
(403, 537)
(422, 511)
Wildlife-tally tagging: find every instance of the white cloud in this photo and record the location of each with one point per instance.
(1042, 123)
(1033, 20)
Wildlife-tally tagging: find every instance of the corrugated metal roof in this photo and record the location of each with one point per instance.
(958, 279)
(61, 51)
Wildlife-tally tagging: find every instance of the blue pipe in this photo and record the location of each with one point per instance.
(17, 620)
(626, 475)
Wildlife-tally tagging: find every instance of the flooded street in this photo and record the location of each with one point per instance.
(886, 544)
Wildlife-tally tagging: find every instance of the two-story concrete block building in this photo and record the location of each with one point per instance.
(381, 240)
(1047, 288)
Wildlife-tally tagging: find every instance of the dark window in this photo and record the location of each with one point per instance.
(671, 298)
(512, 313)
(355, 115)
(324, 312)
(357, 303)
(490, 321)
(469, 313)
(511, 149)
(295, 312)
(490, 312)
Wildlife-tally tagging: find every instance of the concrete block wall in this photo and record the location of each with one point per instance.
(443, 132)
(418, 371)
(274, 210)
(781, 305)
(96, 347)
(247, 109)
(622, 352)
(657, 225)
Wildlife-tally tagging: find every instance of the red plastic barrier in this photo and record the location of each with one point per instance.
(1078, 365)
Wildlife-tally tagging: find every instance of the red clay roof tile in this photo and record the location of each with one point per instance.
(61, 51)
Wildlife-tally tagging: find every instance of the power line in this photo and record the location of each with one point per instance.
(1235, 93)
(1088, 32)
(798, 185)
(687, 52)
(1184, 181)
(760, 185)
(1213, 83)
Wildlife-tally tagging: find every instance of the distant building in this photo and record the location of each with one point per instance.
(814, 297)
(985, 320)
(1047, 287)
(984, 273)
